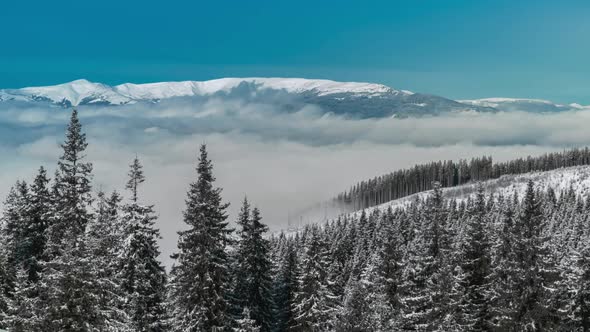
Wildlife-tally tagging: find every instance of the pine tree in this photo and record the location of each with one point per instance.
(72, 187)
(136, 178)
(6, 287)
(105, 242)
(391, 252)
(22, 313)
(13, 232)
(535, 301)
(415, 301)
(314, 305)
(239, 270)
(70, 291)
(476, 266)
(254, 281)
(35, 236)
(143, 276)
(505, 272)
(198, 290)
(245, 323)
(286, 288)
(70, 287)
(574, 288)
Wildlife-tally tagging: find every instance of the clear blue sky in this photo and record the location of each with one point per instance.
(454, 48)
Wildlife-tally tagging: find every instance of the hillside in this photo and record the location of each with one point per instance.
(458, 258)
(576, 178)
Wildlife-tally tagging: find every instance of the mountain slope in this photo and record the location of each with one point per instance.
(354, 99)
(360, 100)
(525, 105)
(576, 178)
(86, 92)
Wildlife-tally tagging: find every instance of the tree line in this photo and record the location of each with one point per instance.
(448, 173)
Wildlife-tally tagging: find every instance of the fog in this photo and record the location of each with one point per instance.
(283, 161)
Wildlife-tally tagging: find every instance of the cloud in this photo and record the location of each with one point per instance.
(283, 159)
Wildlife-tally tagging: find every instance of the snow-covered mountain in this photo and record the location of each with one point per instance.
(82, 92)
(363, 100)
(354, 99)
(525, 105)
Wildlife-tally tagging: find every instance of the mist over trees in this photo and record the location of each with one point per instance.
(450, 173)
(75, 260)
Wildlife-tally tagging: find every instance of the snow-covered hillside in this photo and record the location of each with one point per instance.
(576, 178)
(526, 105)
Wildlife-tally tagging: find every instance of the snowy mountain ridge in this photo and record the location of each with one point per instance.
(523, 104)
(353, 99)
(85, 92)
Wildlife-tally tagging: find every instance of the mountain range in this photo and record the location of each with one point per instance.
(353, 99)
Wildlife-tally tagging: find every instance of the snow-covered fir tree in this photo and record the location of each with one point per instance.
(285, 287)
(245, 323)
(314, 306)
(199, 277)
(142, 275)
(254, 283)
(69, 289)
(476, 266)
(105, 239)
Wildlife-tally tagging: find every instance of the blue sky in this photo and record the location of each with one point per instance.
(454, 48)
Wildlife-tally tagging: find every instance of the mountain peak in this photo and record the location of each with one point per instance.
(82, 91)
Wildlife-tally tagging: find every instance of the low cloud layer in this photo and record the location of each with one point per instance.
(282, 160)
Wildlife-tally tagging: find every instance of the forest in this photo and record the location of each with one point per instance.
(448, 173)
(74, 261)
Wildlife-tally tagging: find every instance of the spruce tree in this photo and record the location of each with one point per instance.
(535, 299)
(22, 313)
(505, 271)
(198, 288)
(70, 287)
(314, 304)
(476, 266)
(13, 232)
(143, 276)
(254, 287)
(35, 236)
(286, 288)
(105, 240)
(72, 187)
(240, 263)
(246, 323)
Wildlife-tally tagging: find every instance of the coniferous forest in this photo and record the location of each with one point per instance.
(449, 173)
(71, 260)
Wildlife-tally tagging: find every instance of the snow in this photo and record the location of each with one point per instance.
(498, 102)
(76, 91)
(83, 90)
(577, 178)
(509, 100)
